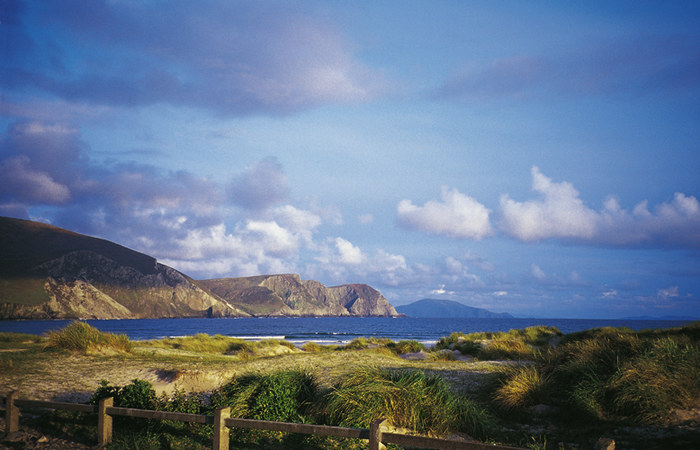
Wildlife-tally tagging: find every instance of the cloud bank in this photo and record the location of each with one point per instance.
(559, 213)
(228, 57)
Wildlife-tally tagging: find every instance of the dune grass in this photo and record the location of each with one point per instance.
(410, 399)
(223, 345)
(612, 373)
(79, 336)
(515, 344)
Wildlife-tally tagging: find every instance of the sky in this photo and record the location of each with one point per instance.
(538, 158)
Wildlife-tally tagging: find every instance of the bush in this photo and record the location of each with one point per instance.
(285, 396)
(82, 337)
(139, 394)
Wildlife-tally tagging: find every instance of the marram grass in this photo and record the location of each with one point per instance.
(80, 336)
(526, 386)
(612, 373)
(407, 398)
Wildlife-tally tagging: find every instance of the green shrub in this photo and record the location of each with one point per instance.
(285, 396)
(139, 394)
(82, 337)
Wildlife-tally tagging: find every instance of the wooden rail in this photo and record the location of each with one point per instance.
(378, 434)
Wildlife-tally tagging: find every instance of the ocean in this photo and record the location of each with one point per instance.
(323, 330)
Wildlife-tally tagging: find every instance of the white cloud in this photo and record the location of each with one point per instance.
(561, 214)
(348, 253)
(456, 216)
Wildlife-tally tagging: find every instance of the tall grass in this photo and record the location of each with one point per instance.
(79, 336)
(408, 398)
(515, 344)
(224, 345)
(526, 386)
(664, 377)
(611, 373)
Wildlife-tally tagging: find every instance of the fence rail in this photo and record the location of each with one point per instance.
(378, 434)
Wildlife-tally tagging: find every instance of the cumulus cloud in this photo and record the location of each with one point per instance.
(457, 216)
(559, 213)
(227, 57)
(260, 186)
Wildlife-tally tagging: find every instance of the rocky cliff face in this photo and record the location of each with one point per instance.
(288, 295)
(51, 273)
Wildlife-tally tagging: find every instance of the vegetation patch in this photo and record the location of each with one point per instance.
(224, 345)
(408, 398)
(79, 336)
(612, 373)
(515, 344)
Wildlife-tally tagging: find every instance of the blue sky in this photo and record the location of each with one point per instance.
(539, 158)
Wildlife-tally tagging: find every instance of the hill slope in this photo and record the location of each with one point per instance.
(432, 308)
(47, 272)
(288, 295)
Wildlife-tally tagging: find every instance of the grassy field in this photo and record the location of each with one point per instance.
(534, 388)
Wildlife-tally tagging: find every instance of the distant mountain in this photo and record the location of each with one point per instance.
(288, 295)
(48, 272)
(433, 308)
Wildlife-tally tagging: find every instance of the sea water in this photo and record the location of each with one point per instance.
(324, 330)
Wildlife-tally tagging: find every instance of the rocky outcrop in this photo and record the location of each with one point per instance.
(289, 295)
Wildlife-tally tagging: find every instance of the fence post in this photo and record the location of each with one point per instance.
(104, 422)
(220, 428)
(11, 414)
(375, 434)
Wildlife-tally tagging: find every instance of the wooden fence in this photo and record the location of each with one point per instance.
(377, 434)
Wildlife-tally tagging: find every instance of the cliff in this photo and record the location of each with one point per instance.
(48, 272)
(288, 295)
